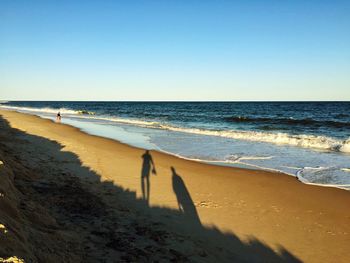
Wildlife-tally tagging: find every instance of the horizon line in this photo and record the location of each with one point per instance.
(9, 100)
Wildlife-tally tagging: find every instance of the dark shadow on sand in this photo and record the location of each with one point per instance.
(147, 166)
(184, 200)
(78, 206)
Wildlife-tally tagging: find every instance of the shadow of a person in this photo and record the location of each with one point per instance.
(145, 173)
(184, 200)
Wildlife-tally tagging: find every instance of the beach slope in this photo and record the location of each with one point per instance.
(67, 194)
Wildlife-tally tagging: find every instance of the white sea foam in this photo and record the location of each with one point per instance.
(345, 146)
(291, 167)
(302, 140)
(256, 157)
(305, 141)
(229, 161)
(40, 110)
(148, 124)
(313, 170)
(299, 174)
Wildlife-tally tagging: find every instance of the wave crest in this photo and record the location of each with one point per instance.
(48, 110)
(302, 140)
(305, 141)
(289, 121)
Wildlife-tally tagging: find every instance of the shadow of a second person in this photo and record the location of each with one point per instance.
(99, 219)
(184, 200)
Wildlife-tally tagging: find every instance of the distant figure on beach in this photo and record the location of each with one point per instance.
(145, 173)
(58, 117)
(184, 200)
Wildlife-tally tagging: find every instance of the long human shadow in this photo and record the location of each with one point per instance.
(184, 200)
(147, 164)
(94, 220)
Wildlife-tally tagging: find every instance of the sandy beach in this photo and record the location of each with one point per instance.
(67, 196)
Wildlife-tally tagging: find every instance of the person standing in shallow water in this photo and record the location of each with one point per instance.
(58, 117)
(145, 173)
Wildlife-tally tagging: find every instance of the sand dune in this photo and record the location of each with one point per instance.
(69, 196)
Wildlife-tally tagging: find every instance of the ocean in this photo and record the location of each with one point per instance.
(310, 140)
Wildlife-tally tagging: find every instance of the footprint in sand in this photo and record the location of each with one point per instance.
(331, 233)
(206, 204)
(318, 224)
(276, 208)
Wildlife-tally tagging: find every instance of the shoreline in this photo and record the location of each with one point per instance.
(214, 162)
(250, 202)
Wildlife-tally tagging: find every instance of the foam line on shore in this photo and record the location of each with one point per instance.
(298, 175)
(237, 162)
(297, 140)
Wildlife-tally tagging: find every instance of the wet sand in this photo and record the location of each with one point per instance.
(67, 194)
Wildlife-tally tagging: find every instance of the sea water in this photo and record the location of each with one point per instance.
(310, 140)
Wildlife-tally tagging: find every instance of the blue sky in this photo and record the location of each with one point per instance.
(174, 50)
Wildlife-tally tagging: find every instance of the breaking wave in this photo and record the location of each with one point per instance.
(301, 140)
(289, 121)
(305, 141)
(48, 110)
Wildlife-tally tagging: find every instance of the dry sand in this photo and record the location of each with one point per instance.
(68, 196)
